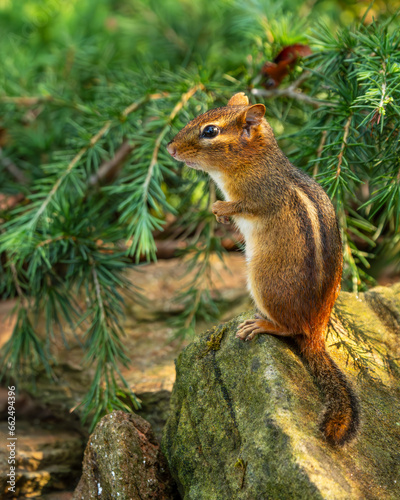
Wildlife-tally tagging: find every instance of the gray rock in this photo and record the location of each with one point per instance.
(123, 461)
(244, 416)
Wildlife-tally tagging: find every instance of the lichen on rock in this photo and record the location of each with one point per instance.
(244, 416)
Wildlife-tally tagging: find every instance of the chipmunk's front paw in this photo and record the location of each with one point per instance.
(223, 219)
(218, 211)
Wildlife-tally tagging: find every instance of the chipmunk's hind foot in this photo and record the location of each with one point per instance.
(252, 327)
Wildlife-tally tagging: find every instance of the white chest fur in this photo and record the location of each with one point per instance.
(246, 226)
(218, 178)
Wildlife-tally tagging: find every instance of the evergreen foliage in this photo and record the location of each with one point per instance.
(351, 144)
(91, 93)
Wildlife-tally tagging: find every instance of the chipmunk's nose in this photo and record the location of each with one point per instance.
(171, 149)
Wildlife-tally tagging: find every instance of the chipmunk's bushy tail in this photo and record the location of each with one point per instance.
(341, 418)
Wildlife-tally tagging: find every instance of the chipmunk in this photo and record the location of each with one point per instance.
(292, 240)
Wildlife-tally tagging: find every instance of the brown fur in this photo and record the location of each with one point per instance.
(293, 243)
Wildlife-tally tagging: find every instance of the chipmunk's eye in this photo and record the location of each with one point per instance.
(210, 131)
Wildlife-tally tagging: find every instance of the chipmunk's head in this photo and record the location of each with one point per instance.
(224, 139)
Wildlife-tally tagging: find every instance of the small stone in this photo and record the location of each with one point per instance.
(126, 460)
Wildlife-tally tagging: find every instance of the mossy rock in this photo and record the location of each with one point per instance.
(244, 416)
(123, 461)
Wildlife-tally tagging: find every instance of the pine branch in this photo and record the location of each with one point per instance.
(27, 101)
(180, 104)
(381, 102)
(33, 101)
(49, 241)
(98, 293)
(20, 293)
(319, 151)
(136, 105)
(104, 129)
(293, 92)
(109, 169)
(75, 161)
(16, 172)
(344, 143)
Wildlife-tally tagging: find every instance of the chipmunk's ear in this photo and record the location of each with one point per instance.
(254, 114)
(239, 99)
